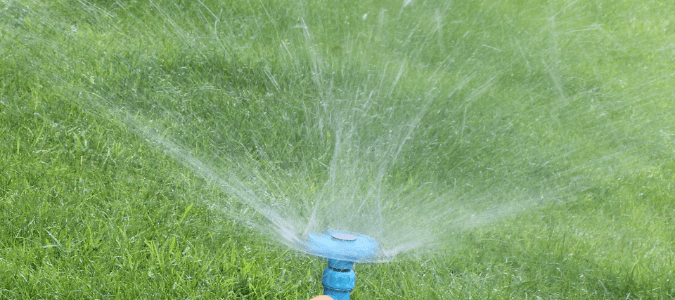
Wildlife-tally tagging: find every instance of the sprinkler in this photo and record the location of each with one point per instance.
(342, 249)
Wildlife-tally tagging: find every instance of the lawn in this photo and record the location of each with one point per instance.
(496, 149)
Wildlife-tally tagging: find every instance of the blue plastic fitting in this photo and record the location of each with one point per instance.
(342, 249)
(338, 279)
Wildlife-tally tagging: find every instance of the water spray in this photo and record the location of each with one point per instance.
(342, 249)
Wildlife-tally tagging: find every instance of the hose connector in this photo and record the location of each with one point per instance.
(342, 249)
(338, 279)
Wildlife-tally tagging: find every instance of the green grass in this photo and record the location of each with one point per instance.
(551, 123)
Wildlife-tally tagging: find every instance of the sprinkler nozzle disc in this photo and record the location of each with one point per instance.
(342, 245)
(345, 237)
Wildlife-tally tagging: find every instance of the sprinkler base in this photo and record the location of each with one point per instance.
(342, 249)
(338, 283)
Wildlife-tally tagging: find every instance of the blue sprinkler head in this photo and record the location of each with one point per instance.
(342, 249)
